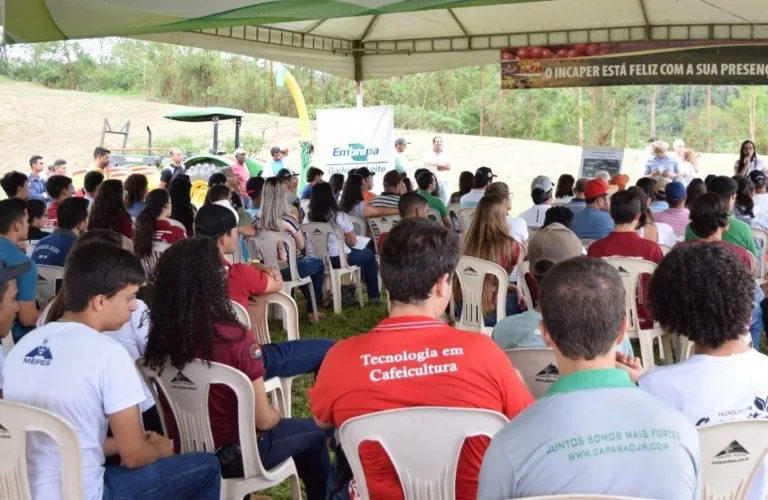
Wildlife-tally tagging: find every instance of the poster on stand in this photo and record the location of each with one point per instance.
(354, 138)
(594, 160)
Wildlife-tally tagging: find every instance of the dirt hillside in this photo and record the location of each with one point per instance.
(67, 124)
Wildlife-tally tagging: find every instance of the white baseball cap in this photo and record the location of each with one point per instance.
(240, 151)
(678, 144)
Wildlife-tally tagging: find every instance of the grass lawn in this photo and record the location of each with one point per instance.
(351, 321)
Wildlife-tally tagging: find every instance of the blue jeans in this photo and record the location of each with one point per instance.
(490, 317)
(366, 259)
(303, 440)
(295, 357)
(314, 268)
(185, 476)
(756, 323)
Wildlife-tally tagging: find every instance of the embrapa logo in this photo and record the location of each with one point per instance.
(358, 152)
(549, 374)
(4, 434)
(732, 453)
(181, 381)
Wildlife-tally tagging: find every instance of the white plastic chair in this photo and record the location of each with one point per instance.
(47, 277)
(630, 271)
(318, 233)
(257, 312)
(537, 367)
(268, 243)
(186, 393)
(524, 268)
(150, 261)
(16, 420)
(453, 215)
(466, 215)
(434, 215)
(358, 224)
(471, 272)
(379, 225)
(665, 249)
(761, 236)
(423, 444)
(127, 244)
(732, 454)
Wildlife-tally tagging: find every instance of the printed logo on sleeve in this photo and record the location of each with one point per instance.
(40, 355)
(181, 381)
(731, 454)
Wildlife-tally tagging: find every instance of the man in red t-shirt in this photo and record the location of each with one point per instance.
(57, 187)
(625, 242)
(413, 359)
(245, 280)
(410, 205)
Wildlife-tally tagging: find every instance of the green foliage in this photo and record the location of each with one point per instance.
(451, 101)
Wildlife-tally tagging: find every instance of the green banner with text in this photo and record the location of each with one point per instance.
(635, 63)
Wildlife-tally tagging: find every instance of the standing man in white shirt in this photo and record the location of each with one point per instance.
(541, 194)
(483, 177)
(441, 162)
(70, 369)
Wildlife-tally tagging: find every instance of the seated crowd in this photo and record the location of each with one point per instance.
(146, 274)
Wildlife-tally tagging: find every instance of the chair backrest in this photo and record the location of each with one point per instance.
(731, 455)
(15, 421)
(433, 215)
(358, 224)
(422, 443)
(257, 312)
(465, 216)
(453, 215)
(537, 367)
(47, 277)
(242, 314)
(186, 394)
(380, 225)
(268, 244)
(524, 268)
(630, 271)
(127, 243)
(318, 233)
(150, 261)
(471, 272)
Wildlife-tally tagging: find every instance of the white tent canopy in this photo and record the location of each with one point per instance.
(367, 39)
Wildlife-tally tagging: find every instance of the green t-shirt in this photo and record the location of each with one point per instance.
(400, 165)
(738, 233)
(435, 203)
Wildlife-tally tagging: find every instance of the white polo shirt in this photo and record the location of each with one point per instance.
(80, 375)
(471, 199)
(430, 158)
(534, 216)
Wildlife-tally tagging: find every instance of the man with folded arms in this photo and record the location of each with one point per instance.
(594, 432)
(413, 359)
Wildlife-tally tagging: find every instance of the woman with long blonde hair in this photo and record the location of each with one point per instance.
(488, 238)
(688, 167)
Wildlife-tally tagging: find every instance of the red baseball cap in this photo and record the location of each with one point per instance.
(595, 188)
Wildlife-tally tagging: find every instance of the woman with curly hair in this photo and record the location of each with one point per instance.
(109, 211)
(181, 201)
(488, 239)
(189, 324)
(703, 293)
(136, 187)
(152, 224)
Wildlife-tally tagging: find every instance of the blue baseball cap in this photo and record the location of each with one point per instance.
(675, 191)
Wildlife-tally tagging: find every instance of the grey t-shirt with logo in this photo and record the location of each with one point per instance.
(594, 433)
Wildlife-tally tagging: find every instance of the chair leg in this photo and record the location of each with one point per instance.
(336, 286)
(665, 346)
(287, 386)
(295, 487)
(312, 299)
(359, 278)
(646, 349)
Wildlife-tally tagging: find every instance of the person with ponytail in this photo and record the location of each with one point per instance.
(152, 224)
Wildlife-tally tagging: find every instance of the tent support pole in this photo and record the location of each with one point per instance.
(357, 55)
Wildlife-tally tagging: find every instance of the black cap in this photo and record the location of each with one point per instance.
(364, 172)
(214, 220)
(286, 173)
(8, 273)
(254, 185)
(758, 178)
(483, 176)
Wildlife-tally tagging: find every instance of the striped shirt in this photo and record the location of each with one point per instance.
(385, 200)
